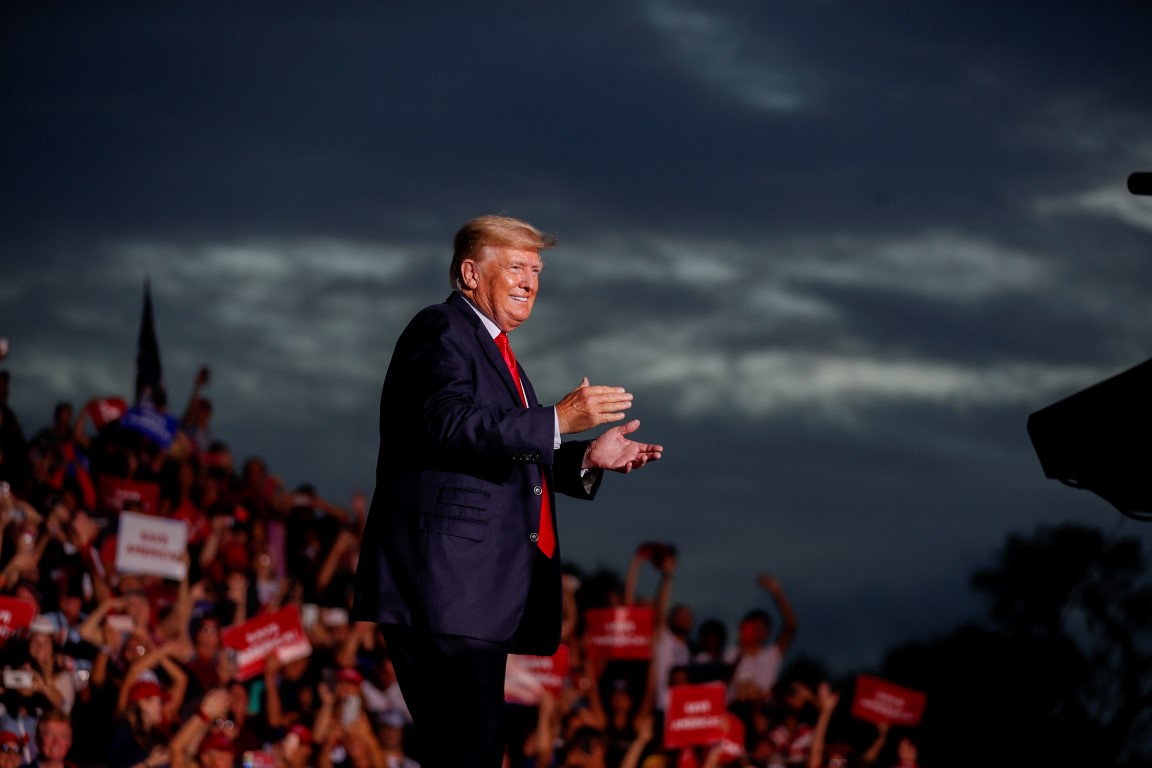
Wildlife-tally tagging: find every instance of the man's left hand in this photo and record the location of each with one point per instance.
(613, 450)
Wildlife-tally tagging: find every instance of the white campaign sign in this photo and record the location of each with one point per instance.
(154, 546)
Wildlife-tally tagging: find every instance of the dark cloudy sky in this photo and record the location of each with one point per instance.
(838, 249)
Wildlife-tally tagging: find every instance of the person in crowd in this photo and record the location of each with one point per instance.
(202, 732)
(788, 720)
(181, 494)
(623, 711)
(142, 731)
(53, 741)
(907, 753)
(819, 749)
(203, 665)
(26, 694)
(295, 749)
(164, 659)
(48, 665)
(15, 466)
(758, 656)
(293, 689)
(11, 750)
(220, 465)
(344, 729)
(336, 578)
(673, 627)
(54, 437)
(390, 730)
(196, 423)
(710, 643)
(454, 422)
(315, 548)
(245, 725)
(364, 649)
(216, 750)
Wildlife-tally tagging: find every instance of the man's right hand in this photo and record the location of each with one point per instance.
(586, 407)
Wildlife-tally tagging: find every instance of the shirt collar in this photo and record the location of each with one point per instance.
(492, 328)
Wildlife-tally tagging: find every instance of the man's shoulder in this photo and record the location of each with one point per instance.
(452, 310)
(433, 320)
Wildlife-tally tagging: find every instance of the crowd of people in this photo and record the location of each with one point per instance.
(123, 669)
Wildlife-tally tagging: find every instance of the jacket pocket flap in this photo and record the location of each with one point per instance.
(464, 527)
(463, 497)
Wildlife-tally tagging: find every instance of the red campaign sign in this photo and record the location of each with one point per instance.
(732, 743)
(117, 492)
(696, 715)
(16, 613)
(549, 671)
(253, 641)
(619, 633)
(879, 701)
(526, 676)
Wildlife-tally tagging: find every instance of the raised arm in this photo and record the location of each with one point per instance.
(199, 383)
(826, 700)
(665, 562)
(213, 705)
(633, 575)
(176, 624)
(273, 707)
(788, 623)
(345, 541)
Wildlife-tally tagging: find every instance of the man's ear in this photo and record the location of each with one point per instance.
(469, 273)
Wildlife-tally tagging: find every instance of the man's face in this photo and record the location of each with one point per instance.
(503, 283)
(207, 639)
(55, 740)
(753, 632)
(139, 609)
(680, 621)
(70, 606)
(64, 416)
(10, 755)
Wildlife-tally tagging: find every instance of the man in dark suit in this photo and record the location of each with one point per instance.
(460, 561)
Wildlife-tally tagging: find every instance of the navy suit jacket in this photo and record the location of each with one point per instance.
(449, 544)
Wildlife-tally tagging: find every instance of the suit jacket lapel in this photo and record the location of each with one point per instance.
(491, 351)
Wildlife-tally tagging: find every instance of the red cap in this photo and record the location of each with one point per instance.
(146, 689)
(302, 732)
(217, 741)
(7, 737)
(106, 410)
(349, 675)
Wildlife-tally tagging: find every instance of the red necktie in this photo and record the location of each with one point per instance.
(547, 538)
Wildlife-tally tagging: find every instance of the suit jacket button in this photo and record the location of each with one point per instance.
(537, 490)
(534, 536)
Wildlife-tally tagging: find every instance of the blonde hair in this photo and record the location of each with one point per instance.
(498, 231)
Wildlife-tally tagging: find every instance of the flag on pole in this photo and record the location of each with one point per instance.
(149, 374)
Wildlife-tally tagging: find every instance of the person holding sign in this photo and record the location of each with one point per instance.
(460, 557)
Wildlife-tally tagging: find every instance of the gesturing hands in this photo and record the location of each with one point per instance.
(590, 406)
(613, 450)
